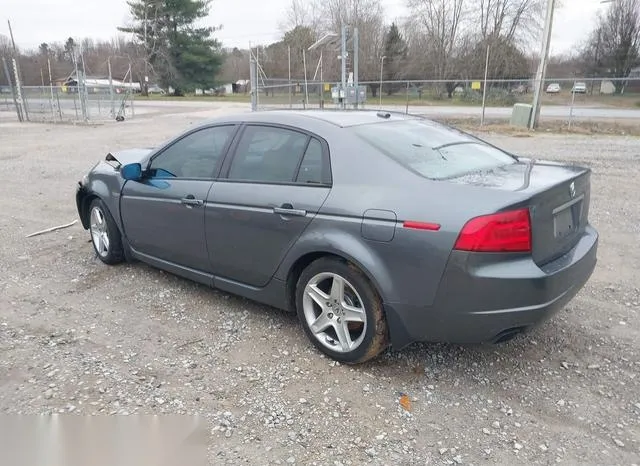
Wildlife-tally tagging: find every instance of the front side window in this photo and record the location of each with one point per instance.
(268, 154)
(197, 155)
(432, 150)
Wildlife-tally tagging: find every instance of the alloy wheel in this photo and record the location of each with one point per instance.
(99, 231)
(334, 312)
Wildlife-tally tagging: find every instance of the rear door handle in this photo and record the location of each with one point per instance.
(287, 209)
(190, 201)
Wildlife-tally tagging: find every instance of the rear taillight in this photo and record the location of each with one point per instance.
(502, 232)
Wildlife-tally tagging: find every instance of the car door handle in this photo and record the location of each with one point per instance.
(190, 200)
(287, 209)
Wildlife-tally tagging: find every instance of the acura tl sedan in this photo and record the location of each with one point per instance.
(378, 229)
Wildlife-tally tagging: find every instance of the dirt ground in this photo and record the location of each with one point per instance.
(80, 337)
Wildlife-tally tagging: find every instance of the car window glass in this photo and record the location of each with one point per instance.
(433, 151)
(268, 154)
(312, 164)
(194, 156)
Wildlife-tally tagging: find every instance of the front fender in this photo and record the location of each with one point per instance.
(81, 196)
(106, 184)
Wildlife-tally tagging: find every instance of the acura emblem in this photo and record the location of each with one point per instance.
(572, 189)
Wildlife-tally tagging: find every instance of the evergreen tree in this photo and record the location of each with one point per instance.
(395, 51)
(182, 55)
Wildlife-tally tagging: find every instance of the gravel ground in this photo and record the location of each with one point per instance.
(80, 337)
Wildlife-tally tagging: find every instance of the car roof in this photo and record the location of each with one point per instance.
(339, 118)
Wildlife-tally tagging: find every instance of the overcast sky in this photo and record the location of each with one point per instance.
(255, 21)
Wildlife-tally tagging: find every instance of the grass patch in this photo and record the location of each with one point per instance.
(586, 128)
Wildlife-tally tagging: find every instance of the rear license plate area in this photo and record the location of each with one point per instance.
(566, 220)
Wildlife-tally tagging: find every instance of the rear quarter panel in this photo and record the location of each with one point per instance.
(408, 268)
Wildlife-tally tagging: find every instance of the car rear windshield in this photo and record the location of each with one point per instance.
(432, 150)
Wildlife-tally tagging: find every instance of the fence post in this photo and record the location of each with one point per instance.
(111, 97)
(132, 95)
(484, 87)
(79, 88)
(306, 87)
(84, 102)
(253, 73)
(406, 110)
(53, 113)
(356, 81)
(59, 108)
(13, 91)
(76, 96)
(19, 96)
(573, 99)
(289, 82)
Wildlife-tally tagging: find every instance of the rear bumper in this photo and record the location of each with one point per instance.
(483, 298)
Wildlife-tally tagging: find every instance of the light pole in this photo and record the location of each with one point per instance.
(542, 68)
(380, 89)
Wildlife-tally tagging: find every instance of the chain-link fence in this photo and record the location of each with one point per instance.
(561, 99)
(74, 99)
(280, 93)
(70, 104)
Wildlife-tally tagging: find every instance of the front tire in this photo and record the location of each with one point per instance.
(105, 235)
(340, 311)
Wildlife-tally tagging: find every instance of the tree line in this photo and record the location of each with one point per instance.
(161, 41)
(444, 40)
(447, 41)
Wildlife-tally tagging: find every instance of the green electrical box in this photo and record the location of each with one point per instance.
(521, 115)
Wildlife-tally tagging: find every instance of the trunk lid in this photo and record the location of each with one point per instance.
(558, 197)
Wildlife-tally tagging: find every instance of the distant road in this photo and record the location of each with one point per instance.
(168, 106)
(549, 111)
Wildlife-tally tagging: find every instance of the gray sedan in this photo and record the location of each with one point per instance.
(377, 228)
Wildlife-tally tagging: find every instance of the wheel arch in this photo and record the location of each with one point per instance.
(98, 188)
(352, 249)
(305, 259)
(85, 202)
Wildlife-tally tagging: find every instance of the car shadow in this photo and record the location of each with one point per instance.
(418, 359)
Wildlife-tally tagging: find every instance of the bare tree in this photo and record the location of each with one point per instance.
(302, 13)
(441, 24)
(5, 46)
(512, 20)
(613, 48)
(325, 16)
(236, 66)
(368, 17)
(5, 51)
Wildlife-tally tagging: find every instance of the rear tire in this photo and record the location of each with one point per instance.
(340, 311)
(105, 236)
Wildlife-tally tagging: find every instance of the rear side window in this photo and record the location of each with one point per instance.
(268, 154)
(312, 166)
(432, 150)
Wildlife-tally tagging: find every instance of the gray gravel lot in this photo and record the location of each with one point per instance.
(80, 337)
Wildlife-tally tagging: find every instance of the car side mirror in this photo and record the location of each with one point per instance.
(131, 171)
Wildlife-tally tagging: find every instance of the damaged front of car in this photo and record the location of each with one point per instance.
(104, 181)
